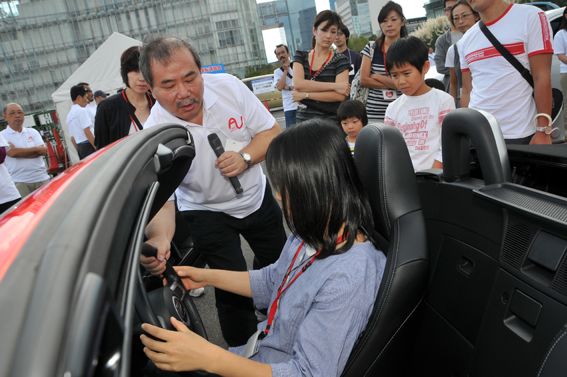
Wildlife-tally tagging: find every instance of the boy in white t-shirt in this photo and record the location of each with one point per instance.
(420, 111)
(492, 84)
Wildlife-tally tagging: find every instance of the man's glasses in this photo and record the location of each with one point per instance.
(461, 17)
(448, 9)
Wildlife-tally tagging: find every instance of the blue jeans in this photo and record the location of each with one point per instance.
(290, 118)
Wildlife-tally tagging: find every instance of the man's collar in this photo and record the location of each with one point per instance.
(11, 130)
(209, 97)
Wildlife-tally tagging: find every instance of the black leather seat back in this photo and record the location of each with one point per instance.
(386, 171)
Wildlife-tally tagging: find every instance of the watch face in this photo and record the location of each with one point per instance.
(247, 158)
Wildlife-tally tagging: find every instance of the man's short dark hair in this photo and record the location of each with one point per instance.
(160, 49)
(344, 29)
(76, 91)
(281, 45)
(129, 61)
(410, 50)
(352, 109)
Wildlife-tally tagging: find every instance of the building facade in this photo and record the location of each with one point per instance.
(43, 41)
(434, 8)
(355, 15)
(294, 16)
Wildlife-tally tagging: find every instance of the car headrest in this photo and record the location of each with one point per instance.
(463, 127)
(386, 171)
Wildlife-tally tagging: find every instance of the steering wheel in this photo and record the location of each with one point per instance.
(157, 306)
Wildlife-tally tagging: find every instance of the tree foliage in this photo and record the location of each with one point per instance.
(358, 42)
(431, 29)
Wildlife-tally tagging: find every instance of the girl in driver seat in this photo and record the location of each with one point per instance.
(319, 293)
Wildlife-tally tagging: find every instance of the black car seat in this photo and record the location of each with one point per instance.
(386, 171)
(554, 364)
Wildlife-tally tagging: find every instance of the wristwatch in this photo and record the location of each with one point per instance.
(247, 158)
(548, 130)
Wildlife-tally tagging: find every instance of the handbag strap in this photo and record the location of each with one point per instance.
(506, 54)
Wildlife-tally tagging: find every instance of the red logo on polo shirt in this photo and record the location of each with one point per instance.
(234, 125)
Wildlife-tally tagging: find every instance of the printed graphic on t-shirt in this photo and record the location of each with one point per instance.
(415, 131)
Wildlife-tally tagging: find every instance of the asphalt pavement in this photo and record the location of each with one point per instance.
(206, 303)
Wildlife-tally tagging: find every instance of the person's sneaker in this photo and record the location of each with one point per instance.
(197, 292)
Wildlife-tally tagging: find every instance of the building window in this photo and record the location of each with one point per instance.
(230, 38)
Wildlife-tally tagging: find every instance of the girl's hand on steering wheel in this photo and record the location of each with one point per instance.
(192, 277)
(180, 350)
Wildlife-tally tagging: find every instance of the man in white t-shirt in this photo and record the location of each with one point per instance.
(9, 194)
(420, 111)
(283, 81)
(217, 216)
(492, 84)
(80, 123)
(26, 148)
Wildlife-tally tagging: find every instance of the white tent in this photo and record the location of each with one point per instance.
(101, 70)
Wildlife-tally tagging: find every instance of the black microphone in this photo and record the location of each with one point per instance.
(216, 144)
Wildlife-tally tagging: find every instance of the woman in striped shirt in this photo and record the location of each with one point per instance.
(320, 76)
(373, 73)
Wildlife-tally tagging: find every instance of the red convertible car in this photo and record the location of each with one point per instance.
(475, 282)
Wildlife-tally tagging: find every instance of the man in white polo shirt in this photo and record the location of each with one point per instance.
(80, 123)
(25, 152)
(492, 84)
(217, 216)
(283, 81)
(9, 194)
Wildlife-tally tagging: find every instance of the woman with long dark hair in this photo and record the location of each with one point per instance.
(373, 73)
(560, 49)
(320, 75)
(319, 293)
(125, 112)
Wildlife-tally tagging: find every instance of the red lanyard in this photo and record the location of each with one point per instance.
(322, 67)
(283, 286)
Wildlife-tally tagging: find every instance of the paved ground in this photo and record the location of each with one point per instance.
(206, 303)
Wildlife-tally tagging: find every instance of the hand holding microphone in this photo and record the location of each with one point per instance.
(216, 144)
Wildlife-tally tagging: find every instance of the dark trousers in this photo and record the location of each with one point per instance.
(84, 149)
(5, 206)
(217, 237)
(524, 140)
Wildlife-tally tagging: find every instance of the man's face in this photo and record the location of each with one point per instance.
(14, 115)
(178, 85)
(89, 94)
(448, 6)
(340, 41)
(282, 54)
(83, 100)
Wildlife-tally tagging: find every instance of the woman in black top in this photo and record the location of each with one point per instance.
(125, 112)
(320, 76)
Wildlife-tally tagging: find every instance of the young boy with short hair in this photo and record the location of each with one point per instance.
(420, 111)
(352, 117)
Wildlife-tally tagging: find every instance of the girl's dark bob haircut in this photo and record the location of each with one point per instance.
(311, 166)
(129, 62)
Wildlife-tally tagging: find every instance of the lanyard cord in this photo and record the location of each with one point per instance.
(283, 286)
(320, 68)
(137, 124)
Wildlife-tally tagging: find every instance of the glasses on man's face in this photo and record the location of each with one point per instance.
(461, 17)
(448, 9)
